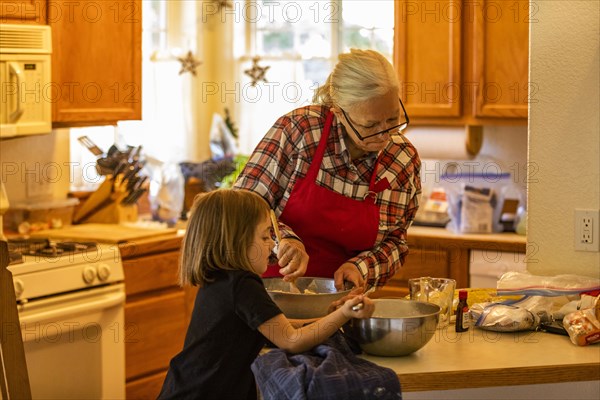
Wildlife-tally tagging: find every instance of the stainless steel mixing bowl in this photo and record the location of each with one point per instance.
(314, 303)
(397, 327)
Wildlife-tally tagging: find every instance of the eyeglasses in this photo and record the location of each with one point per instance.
(398, 128)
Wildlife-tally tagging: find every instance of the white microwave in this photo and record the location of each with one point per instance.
(25, 80)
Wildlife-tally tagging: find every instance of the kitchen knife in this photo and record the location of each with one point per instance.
(133, 197)
(91, 146)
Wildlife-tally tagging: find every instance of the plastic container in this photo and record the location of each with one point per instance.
(52, 213)
(481, 216)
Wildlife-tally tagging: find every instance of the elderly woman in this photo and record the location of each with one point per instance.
(341, 177)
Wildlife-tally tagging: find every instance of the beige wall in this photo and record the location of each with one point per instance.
(564, 126)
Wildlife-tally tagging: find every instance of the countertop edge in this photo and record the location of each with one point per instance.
(479, 378)
(151, 245)
(426, 237)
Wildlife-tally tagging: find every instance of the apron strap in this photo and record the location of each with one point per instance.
(313, 170)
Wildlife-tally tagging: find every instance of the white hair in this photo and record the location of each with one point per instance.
(357, 77)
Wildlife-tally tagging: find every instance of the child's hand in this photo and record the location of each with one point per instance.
(365, 312)
(338, 303)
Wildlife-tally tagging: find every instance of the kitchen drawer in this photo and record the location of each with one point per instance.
(419, 262)
(145, 388)
(149, 273)
(424, 262)
(155, 331)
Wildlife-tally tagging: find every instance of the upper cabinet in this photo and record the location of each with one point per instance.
(96, 61)
(464, 62)
(23, 11)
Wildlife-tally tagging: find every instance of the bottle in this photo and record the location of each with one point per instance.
(462, 312)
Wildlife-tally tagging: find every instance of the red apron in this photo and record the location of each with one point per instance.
(333, 227)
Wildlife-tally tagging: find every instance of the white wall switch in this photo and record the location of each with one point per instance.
(587, 230)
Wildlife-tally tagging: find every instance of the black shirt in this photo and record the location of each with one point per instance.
(222, 340)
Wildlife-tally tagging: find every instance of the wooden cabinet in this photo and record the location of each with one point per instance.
(462, 62)
(157, 314)
(439, 253)
(96, 61)
(499, 56)
(23, 11)
(427, 57)
(428, 259)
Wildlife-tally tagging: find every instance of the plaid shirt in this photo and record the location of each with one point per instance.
(285, 153)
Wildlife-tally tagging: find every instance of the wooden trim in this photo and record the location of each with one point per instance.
(153, 245)
(14, 380)
(450, 380)
(474, 139)
(400, 46)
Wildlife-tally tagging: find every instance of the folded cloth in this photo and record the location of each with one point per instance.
(327, 372)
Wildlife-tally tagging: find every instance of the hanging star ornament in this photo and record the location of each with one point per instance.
(223, 4)
(257, 73)
(189, 63)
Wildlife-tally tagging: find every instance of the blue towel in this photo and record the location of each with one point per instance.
(327, 372)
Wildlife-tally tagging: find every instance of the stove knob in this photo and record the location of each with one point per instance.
(19, 287)
(89, 274)
(103, 272)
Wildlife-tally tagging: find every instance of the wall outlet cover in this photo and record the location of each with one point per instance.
(587, 230)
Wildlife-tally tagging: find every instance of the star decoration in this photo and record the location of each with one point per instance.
(257, 73)
(188, 63)
(223, 4)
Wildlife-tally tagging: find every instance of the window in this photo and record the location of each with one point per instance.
(299, 41)
(166, 131)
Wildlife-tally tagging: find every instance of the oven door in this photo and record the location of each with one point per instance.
(74, 344)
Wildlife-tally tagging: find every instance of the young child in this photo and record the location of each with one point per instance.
(225, 250)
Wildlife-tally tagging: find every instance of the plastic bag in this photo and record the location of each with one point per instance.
(222, 142)
(475, 201)
(166, 190)
(512, 316)
(559, 285)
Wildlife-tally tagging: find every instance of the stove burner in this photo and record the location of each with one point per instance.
(48, 248)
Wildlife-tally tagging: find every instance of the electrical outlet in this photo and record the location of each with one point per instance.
(587, 232)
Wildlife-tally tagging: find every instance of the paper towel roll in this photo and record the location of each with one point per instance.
(442, 143)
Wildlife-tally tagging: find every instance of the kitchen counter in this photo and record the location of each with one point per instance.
(478, 358)
(505, 241)
(151, 245)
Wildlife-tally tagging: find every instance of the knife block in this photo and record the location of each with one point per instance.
(104, 206)
(114, 213)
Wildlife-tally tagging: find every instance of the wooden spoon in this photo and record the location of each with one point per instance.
(293, 286)
(359, 306)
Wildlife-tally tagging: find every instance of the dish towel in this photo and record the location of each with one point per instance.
(329, 371)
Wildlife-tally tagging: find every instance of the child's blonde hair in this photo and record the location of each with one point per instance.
(219, 233)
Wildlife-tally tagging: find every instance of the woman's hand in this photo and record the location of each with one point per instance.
(292, 258)
(365, 312)
(348, 272)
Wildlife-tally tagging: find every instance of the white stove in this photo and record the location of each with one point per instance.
(70, 298)
(42, 275)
